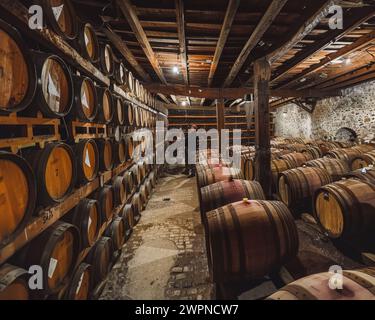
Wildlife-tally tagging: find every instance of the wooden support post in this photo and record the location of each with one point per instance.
(262, 75)
(220, 118)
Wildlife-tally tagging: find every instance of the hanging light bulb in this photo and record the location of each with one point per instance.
(175, 70)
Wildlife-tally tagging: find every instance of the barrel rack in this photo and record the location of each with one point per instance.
(16, 12)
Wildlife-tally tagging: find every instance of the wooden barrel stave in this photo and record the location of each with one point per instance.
(336, 168)
(86, 99)
(106, 108)
(80, 285)
(116, 231)
(105, 197)
(105, 148)
(218, 174)
(88, 43)
(106, 59)
(87, 154)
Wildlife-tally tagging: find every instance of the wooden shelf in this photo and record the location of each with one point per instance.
(189, 124)
(192, 117)
(49, 216)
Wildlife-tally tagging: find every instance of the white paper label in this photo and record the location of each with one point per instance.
(52, 267)
(84, 100)
(364, 170)
(121, 73)
(80, 283)
(89, 224)
(87, 159)
(57, 11)
(52, 90)
(87, 40)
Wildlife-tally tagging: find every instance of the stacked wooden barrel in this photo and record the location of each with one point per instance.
(66, 189)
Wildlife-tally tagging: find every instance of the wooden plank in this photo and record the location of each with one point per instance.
(224, 33)
(126, 53)
(262, 75)
(182, 39)
(220, 120)
(231, 93)
(132, 18)
(49, 39)
(263, 25)
(357, 45)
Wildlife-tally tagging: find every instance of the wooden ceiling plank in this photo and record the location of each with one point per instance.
(225, 30)
(182, 38)
(353, 23)
(132, 18)
(360, 43)
(266, 21)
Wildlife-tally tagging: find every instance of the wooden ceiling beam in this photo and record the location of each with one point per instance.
(132, 18)
(231, 93)
(126, 53)
(352, 22)
(266, 21)
(182, 38)
(360, 43)
(224, 33)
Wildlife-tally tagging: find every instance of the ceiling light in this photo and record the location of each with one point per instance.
(183, 103)
(302, 80)
(175, 70)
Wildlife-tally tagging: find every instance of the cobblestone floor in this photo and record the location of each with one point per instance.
(165, 257)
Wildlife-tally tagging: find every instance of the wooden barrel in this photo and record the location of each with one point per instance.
(106, 59)
(335, 167)
(347, 155)
(129, 182)
(80, 285)
(364, 148)
(137, 178)
(247, 167)
(137, 206)
(105, 147)
(55, 171)
(143, 196)
(136, 88)
(55, 85)
(250, 239)
(128, 215)
(120, 74)
(106, 108)
(116, 231)
(314, 152)
(119, 190)
(131, 82)
(327, 146)
(365, 174)
(297, 186)
(61, 16)
(130, 146)
(119, 111)
(86, 217)
(277, 167)
(346, 209)
(363, 160)
(296, 159)
(153, 178)
(13, 283)
(87, 156)
(298, 147)
(18, 74)
(17, 195)
(100, 258)
(105, 197)
(142, 169)
(149, 187)
(88, 42)
(210, 176)
(356, 285)
(86, 99)
(129, 112)
(56, 250)
(225, 192)
(119, 151)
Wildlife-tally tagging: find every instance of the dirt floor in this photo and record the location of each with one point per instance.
(165, 257)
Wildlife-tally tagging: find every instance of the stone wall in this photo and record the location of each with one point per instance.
(354, 110)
